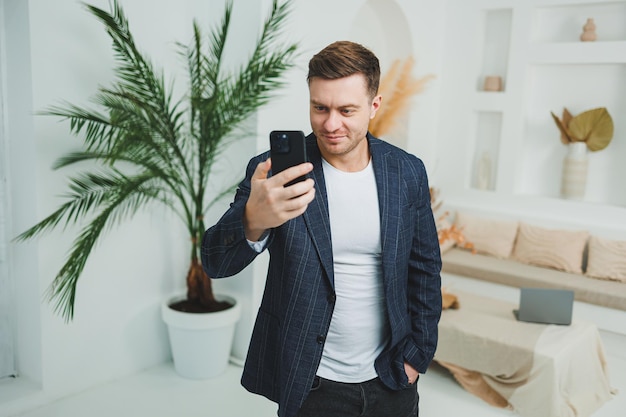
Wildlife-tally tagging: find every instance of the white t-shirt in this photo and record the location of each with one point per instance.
(358, 329)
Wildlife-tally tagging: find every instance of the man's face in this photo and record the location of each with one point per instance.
(340, 111)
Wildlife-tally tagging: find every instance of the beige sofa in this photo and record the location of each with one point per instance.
(521, 254)
(611, 294)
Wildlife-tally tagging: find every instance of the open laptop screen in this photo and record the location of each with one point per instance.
(543, 305)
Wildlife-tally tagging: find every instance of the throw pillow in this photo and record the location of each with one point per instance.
(489, 236)
(557, 249)
(606, 259)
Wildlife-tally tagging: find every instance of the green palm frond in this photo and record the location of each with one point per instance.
(160, 178)
(94, 124)
(121, 199)
(142, 146)
(90, 192)
(134, 71)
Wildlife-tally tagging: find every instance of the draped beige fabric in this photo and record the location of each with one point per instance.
(537, 370)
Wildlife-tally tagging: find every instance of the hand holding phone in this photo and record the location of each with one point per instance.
(287, 149)
(271, 206)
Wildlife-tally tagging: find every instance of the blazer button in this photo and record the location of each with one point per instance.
(332, 298)
(321, 338)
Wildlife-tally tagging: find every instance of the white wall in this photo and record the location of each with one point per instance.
(22, 206)
(117, 328)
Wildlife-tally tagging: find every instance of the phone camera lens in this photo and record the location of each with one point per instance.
(280, 142)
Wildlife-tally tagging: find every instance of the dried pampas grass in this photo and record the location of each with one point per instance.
(397, 87)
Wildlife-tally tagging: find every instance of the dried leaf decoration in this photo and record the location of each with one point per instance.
(594, 127)
(397, 87)
(447, 232)
(567, 117)
(565, 134)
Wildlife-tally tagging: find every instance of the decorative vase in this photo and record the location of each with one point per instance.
(589, 31)
(574, 180)
(493, 83)
(201, 342)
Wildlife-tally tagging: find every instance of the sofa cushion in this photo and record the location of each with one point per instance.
(558, 249)
(606, 259)
(493, 237)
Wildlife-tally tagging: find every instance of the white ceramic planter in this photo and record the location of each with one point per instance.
(201, 343)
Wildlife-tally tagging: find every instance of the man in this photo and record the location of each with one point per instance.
(349, 315)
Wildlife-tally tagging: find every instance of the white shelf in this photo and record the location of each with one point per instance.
(578, 53)
(563, 20)
(546, 68)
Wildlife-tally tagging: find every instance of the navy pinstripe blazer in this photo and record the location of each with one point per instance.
(297, 305)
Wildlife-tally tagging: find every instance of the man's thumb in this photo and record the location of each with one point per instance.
(262, 169)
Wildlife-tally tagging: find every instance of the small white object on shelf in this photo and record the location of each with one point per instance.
(493, 83)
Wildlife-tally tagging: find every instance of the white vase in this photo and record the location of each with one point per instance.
(201, 342)
(575, 164)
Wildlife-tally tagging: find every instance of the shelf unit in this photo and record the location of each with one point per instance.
(545, 67)
(567, 53)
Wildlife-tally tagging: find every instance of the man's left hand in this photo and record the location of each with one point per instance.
(411, 373)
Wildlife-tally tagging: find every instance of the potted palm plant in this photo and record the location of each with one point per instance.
(144, 147)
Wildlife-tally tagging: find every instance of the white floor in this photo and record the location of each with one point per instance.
(159, 392)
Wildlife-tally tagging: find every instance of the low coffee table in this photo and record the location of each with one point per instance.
(537, 370)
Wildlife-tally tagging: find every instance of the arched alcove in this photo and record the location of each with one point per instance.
(383, 27)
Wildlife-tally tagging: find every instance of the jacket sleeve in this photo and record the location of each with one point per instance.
(424, 282)
(225, 250)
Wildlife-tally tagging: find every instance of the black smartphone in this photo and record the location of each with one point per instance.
(287, 149)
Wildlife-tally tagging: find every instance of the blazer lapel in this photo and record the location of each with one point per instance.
(317, 219)
(387, 174)
(316, 215)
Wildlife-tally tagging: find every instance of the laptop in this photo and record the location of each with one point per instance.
(547, 306)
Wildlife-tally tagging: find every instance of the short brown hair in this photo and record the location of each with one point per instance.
(344, 58)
